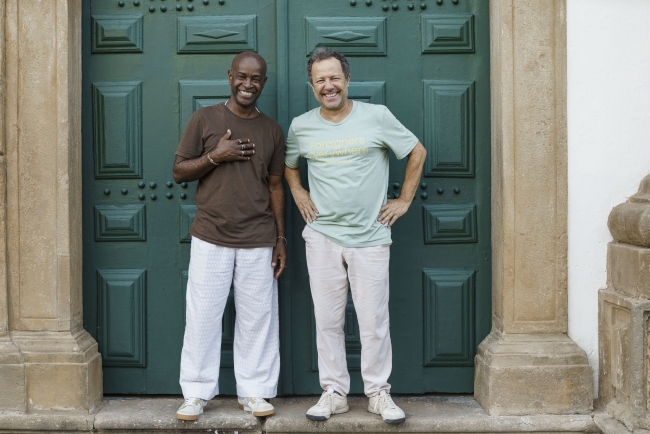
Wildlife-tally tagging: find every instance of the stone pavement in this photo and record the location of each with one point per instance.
(425, 414)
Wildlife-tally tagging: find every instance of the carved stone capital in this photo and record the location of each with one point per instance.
(629, 222)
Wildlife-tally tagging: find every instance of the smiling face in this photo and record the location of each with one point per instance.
(330, 84)
(247, 78)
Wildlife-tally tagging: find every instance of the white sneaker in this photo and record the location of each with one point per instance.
(191, 409)
(383, 404)
(257, 406)
(329, 403)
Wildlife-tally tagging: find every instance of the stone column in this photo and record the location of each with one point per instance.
(624, 312)
(46, 357)
(12, 370)
(528, 365)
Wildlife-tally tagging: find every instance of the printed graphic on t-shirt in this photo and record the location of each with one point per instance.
(337, 151)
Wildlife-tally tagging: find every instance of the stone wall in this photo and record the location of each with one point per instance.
(624, 313)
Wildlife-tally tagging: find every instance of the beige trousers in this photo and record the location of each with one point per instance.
(330, 266)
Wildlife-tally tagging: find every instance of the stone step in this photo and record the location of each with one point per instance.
(609, 425)
(425, 414)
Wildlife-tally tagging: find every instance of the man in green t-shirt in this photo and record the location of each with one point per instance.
(348, 220)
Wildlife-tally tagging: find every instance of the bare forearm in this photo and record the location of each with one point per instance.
(276, 195)
(301, 196)
(293, 179)
(395, 208)
(413, 172)
(191, 169)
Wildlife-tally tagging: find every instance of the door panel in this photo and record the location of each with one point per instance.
(148, 65)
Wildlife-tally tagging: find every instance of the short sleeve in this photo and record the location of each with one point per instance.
(191, 144)
(277, 164)
(292, 152)
(396, 137)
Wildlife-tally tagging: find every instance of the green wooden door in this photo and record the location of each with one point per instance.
(430, 66)
(147, 67)
(148, 64)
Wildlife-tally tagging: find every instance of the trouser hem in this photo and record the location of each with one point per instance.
(198, 391)
(378, 391)
(336, 388)
(257, 392)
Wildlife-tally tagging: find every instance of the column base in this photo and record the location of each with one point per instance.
(12, 377)
(62, 370)
(622, 341)
(518, 374)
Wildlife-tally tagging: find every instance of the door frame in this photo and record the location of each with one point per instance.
(507, 208)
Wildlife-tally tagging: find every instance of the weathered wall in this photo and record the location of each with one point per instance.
(609, 141)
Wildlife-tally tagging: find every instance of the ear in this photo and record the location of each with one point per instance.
(313, 90)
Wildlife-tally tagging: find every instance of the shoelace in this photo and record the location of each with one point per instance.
(191, 401)
(385, 401)
(325, 400)
(257, 401)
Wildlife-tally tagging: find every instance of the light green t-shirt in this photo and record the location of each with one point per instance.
(348, 169)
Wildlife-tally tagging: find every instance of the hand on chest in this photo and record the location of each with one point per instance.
(263, 142)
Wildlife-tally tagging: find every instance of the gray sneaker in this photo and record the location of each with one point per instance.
(329, 403)
(383, 404)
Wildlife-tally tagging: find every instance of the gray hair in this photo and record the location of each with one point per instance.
(323, 53)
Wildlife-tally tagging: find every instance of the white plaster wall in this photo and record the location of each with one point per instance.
(609, 141)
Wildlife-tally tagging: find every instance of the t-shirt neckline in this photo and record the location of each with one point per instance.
(344, 120)
(225, 107)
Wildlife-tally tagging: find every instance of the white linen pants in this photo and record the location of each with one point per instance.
(330, 266)
(256, 347)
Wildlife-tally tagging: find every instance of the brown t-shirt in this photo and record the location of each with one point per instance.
(232, 200)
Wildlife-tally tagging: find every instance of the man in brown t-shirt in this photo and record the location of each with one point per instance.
(237, 155)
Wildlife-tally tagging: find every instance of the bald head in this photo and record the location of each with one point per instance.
(247, 79)
(248, 55)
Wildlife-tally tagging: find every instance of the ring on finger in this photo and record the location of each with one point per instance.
(242, 153)
(239, 141)
(242, 147)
